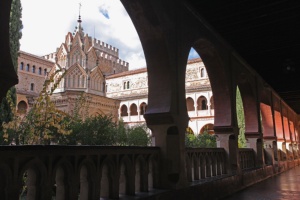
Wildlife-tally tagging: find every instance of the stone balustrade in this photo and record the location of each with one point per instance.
(76, 172)
(93, 172)
(202, 163)
(247, 158)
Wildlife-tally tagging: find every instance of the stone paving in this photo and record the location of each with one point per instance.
(285, 186)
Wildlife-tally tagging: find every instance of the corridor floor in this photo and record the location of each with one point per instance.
(285, 186)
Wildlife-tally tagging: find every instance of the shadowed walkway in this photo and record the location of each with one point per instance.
(283, 186)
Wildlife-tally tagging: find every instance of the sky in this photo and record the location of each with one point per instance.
(46, 23)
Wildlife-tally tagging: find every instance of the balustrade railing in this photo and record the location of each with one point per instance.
(246, 158)
(281, 155)
(76, 172)
(202, 163)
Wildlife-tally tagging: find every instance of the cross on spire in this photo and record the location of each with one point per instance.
(79, 8)
(79, 17)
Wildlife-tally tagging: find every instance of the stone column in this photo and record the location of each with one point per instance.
(281, 146)
(255, 142)
(227, 138)
(168, 133)
(270, 146)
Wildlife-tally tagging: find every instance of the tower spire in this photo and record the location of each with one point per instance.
(79, 17)
(78, 28)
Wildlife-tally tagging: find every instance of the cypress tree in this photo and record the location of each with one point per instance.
(15, 34)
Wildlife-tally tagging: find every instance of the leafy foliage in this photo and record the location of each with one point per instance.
(138, 136)
(97, 130)
(43, 124)
(240, 119)
(204, 140)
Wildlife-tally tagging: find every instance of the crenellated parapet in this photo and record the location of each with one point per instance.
(107, 48)
(111, 64)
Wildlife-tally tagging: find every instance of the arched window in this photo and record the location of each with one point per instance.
(143, 108)
(201, 103)
(202, 72)
(21, 66)
(190, 104)
(22, 107)
(32, 86)
(133, 109)
(45, 72)
(33, 69)
(126, 85)
(124, 110)
(40, 71)
(27, 67)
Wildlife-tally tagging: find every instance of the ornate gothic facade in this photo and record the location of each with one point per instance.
(85, 66)
(131, 87)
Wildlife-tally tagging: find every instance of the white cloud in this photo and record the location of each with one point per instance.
(47, 22)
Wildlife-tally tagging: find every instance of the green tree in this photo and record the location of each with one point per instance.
(204, 140)
(138, 136)
(95, 130)
(44, 123)
(240, 119)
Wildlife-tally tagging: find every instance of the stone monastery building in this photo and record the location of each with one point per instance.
(93, 68)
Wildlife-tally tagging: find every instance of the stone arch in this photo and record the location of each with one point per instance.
(87, 179)
(207, 127)
(202, 103)
(153, 172)
(141, 173)
(33, 175)
(107, 182)
(143, 108)
(250, 104)
(62, 179)
(133, 109)
(22, 107)
(125, 180)
(189, 130)
(190, 104)
(217, 71)
(124, 110)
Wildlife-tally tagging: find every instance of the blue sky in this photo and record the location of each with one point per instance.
(47, 23)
